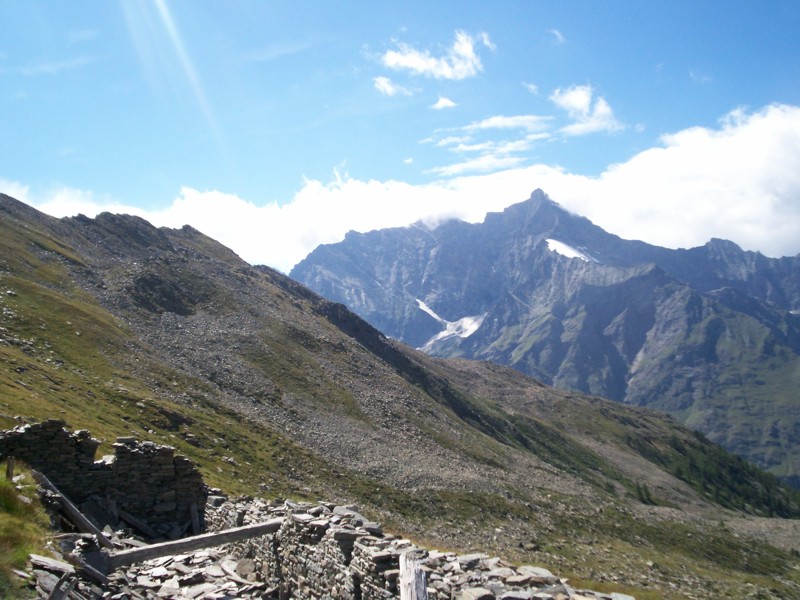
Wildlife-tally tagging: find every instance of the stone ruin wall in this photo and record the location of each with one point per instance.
(326, 551)
(145, 479)
(317, 554)
(320, 551)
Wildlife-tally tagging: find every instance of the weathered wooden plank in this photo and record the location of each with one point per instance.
(59, 566)
(412, 579)
(206, 540)
(51, 564)
(81, 522)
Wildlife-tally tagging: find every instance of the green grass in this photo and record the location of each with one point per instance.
(24, 528)
(605, 587)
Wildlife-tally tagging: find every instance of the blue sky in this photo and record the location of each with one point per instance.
(276, 126)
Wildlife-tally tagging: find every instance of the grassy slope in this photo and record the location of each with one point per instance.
(24, 527)
(63, 355)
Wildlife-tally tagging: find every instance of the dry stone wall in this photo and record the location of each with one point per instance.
(327, 551)
(147, 480)
(320, 551)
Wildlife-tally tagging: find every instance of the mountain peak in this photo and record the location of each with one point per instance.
(539, 195)
(539, 208)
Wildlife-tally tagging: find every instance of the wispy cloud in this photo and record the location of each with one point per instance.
(277, 50)
(491, 154)
(48, 67)
(451, 139)
(698, 77)
(388, 88)
(532, 88)
(460, 61)
(527, 122)
(443, 103)
(590, 115)
(486, 163)
(558, 37)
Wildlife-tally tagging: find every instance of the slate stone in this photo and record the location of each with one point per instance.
(477, 594)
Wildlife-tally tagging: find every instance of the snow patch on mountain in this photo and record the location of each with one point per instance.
(568, 251)
(463, 328)
(425, 308)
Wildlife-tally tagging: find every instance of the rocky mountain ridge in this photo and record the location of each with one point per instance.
(129, 330)
(710, 335)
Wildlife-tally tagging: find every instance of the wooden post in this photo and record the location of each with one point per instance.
(59, 592)
(10, 468)
(412, 579)
(77, 517)
(206, 540)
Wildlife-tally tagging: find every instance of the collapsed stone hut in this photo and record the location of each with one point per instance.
(143, 479)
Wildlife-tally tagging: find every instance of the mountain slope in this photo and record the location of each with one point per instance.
(123, 328)
(710, 335)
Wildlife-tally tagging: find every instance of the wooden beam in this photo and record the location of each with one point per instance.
(77, 517)
(207, 540)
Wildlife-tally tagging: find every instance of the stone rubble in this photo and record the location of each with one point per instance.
(321, 551)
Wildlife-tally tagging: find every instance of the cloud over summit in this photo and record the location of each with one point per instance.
(738, 181)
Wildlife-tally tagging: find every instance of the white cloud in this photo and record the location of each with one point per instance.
(532, 88)
(69, 201)
(738, 181)
(459, 62)
(387, 87)
(558, 36)
(16, 190)
(452, 139)
(530, 123)
(493, 154)
(487, 42)
(495, 147)
(485, 163)
(589, 115)
(443, 102)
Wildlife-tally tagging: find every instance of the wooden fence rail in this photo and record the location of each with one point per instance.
(123, 558)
